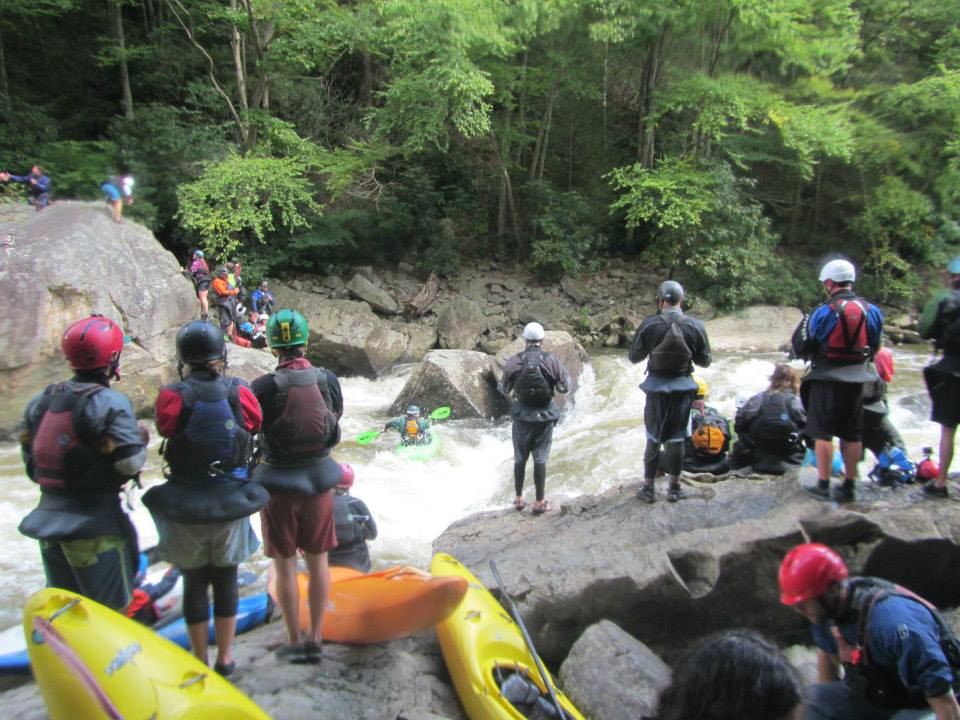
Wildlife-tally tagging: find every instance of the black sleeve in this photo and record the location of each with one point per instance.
(334, 398)
(701, 348)
(264, 388)
(370, 525)
(638, 348)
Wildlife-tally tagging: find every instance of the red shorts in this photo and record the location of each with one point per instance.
(299, 521)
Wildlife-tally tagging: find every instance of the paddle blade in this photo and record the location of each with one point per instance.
(368, 437)
(441, 413)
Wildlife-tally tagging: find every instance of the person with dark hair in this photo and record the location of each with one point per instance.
(671, 342)
(38, 185)
(839, 338)
(355, 525)
(732, 675)
(896, 651)
(531, 378)
(302, 406)
(262, 299)
(81, 444)
(202, 512)
(769, 425)
(940, 322)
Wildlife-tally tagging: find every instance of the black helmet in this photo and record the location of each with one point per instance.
(199, 342)
(671, 291)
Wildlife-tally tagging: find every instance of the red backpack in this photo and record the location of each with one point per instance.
(848, 339)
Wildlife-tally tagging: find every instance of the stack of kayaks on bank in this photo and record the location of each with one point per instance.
(484, 650)
(92, 662)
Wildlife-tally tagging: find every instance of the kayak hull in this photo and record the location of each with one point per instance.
(368, 608)
(478, 638)
(420, 453)
(86, 649)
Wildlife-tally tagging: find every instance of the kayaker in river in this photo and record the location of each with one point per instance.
(531, 378)
(355, 525)
(202, 512)
(302, 407)
(412, 427)
(673, 342)
(839, 338)
(81, 445)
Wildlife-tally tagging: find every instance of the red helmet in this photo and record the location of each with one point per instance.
(807, 571)
(927, 469)
(347, 482)
(91, 343)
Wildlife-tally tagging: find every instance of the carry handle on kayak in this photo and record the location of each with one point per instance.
(526, 638)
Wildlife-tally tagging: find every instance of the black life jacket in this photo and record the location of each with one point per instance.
(847, 341)
(65, 448)
(709, 434)
(881, 686)
(948, 318)
(672, 355)
(210, 439)
(774, 430)
(531, 386)
(304, 427)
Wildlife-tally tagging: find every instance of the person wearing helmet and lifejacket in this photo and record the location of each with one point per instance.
(708, 442)
(838, 338)
(81, 445)
(671, 343)
(896, 651)
(225, 300)
(202, 512)
(199, 272)
(530, 379)
(412, 427)
(769, 426)
(940, 322)
(302, 405)
(355, 525)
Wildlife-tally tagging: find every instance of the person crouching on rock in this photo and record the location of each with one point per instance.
(706, 450)
(117, 190)
(531, 378)
(355, 525)
(203, 511)
(81, 445)
(302, 408)
(412, 427)
(769, 425)
(673, 342)
(39, 186)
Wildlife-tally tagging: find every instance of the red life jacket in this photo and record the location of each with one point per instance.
(304, 427)
(848, 339)
(65, 449)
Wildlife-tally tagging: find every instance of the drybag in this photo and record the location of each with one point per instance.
(710, 435)
(847, 340)
(532, 387)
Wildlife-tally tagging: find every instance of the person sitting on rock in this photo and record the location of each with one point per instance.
(769, 425)
(38, 185)
(707, 445)
(225, 300)
(262, 299)
(117, 189)
(355, 525)
(412, 427)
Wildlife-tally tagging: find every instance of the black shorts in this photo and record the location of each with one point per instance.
(834, 409)
(666, 415)
(944, 391)
(532, 437)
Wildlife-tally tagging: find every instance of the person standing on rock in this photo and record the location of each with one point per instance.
(355, 525)
(896, 650)
(81, 445)
(199, 271)
(531, 378)
(302, 405)
(940, 322)
(671, 342)
(225, 300)
(839, 338)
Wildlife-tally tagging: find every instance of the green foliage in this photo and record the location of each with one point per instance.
(566, 232)
(77, 168)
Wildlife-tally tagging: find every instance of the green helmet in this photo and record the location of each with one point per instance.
(287, 328)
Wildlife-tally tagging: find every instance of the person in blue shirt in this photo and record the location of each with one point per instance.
(118, 189)
(38, 185)
(892, 644)
(262, 299)
(838, 338)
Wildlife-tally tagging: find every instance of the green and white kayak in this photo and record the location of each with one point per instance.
(420, 452)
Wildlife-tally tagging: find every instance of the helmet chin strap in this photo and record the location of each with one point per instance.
(113, 371)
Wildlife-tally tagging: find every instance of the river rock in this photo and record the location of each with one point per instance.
(462, 379)
(611, 675)
(762, 328)
(546, 312)
(460, 323)
(670, 573)
(570, 353)
(577, 291)
(376, 297)
(72, 260)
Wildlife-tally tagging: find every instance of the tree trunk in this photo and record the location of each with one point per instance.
(511, 205)
(522, 106)
(651, 76)
(541, 134)
(546, 133)
(366, 90)
(5, 105)
(117, 13)
(570, 147)
(816, 199)
(236, 45)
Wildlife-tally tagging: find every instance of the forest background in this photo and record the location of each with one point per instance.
(729, 142)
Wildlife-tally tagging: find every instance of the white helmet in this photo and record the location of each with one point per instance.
(840, 271)
(533, 332)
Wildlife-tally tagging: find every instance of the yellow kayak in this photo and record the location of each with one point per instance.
(92, 663)
(487, 657)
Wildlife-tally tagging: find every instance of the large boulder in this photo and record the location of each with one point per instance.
(460, 323)
(71, 260)
(761, 328)
(670, 573)
(462, 379)
(376, 297)
(562, 344)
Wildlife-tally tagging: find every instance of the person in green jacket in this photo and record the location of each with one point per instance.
(412, 427)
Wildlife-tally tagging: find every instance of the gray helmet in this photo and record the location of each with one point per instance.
(671, 291)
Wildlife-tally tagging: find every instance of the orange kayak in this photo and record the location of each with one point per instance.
(366, 608)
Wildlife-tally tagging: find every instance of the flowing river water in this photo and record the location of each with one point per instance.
(598, 445)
